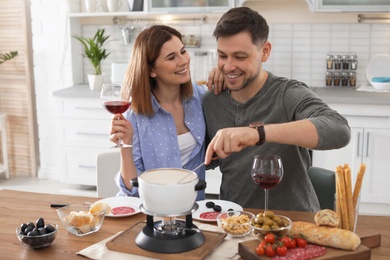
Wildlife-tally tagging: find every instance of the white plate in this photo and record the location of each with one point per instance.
(133, 202)
(225, 205)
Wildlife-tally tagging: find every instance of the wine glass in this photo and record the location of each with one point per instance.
(267, 172)
(112, 100)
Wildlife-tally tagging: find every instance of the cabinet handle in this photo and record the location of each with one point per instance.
(86, 166)
(358, 145)
(367, 143)
(84, 133)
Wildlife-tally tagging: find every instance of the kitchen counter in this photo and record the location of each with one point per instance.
(328, 95)
(351, 96)
(77, 91)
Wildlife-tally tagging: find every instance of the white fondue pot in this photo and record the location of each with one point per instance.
(168, 191)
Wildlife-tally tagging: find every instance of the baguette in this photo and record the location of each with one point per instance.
(325, 236)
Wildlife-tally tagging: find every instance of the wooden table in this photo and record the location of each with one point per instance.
(17, 207)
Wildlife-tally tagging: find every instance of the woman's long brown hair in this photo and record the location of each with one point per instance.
(146, 50)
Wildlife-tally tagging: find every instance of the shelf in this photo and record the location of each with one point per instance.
(112, 14)
(123, 17)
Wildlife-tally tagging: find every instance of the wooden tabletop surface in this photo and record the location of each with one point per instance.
(17, 207)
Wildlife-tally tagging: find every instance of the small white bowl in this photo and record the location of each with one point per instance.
(380, 85)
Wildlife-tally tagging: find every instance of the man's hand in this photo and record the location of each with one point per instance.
(230, 140)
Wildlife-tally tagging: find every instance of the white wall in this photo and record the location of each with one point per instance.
(300, 39)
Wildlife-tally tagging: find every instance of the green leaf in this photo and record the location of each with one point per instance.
(7, 56)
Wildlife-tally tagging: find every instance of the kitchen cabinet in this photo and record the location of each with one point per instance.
(83, 126)
(362, 6)
(370, 142)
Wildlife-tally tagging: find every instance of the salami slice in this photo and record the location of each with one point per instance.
(310, 251)
(209, 215)
(122, 210)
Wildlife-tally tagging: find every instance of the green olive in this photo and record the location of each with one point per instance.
(269, 214)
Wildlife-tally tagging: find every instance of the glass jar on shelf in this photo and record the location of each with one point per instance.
(345, 62)
(328, 78)
(329, 61)
(353, 62)
(352, 79)
(336, 79)
(344, 79)
(337, 62)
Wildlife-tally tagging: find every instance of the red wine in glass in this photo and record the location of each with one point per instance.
(267, 172)
(116, 107)
(112, 100)
(267, 181)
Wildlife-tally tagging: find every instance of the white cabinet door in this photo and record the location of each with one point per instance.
(376, 156)
(371, 147)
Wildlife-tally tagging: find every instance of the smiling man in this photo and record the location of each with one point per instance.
(261, 113)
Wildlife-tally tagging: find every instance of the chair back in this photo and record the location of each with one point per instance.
(324, 183)
(107, 165)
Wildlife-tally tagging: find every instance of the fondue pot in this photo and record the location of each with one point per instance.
(168, 191)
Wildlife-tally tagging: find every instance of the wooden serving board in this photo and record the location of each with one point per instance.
(247, 250)
(125, 243)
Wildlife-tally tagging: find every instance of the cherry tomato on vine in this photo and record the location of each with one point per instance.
(263, 243)
(281, 250)
(269, 238)
(301, 242)
(286, 241)
(260, 250)
(293, 243)
(270, 251)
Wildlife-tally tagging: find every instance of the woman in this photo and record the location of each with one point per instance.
(165, 124)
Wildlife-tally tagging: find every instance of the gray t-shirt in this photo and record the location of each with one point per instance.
(280, 100)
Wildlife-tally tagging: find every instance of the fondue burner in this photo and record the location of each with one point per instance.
(169, 235)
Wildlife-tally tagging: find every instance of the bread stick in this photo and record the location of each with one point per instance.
(342, 196)
(348, 199)
(358, 184)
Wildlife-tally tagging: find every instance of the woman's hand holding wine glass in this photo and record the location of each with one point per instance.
(267, 172)
(113, 102)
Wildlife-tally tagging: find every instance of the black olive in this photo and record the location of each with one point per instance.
(23, 228)
(210, 204)
(33, 233)
(31, 224)
(28, 229)
(42, 230)
(217, 208)
(40, 223)
(49, 228)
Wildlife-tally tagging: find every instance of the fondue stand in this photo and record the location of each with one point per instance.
(169, 193)
(169, 235)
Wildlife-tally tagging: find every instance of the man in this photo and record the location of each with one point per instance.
(261, 113)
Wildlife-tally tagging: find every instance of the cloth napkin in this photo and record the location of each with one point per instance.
(372, 89)
(228, 249)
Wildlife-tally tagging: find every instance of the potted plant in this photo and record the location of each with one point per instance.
(94, 50)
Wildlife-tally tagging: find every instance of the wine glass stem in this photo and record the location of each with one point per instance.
(266, 200)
